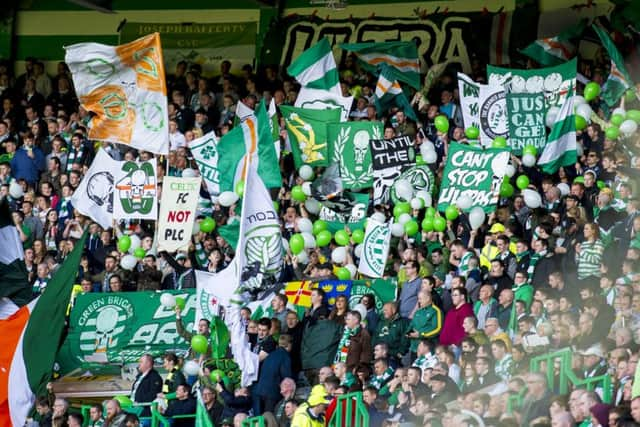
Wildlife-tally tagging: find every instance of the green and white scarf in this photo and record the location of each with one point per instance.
(535, 257)
(378, 381)
(345, 342)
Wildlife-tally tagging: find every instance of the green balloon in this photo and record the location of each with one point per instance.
(400, 208)
(323, 238)
(240, 188)
(319, 225)
(430, 212)
(139, 253)
(420, 160)
(341, 237)
(296, 243)
(634, 115)
(124, 401)
(439, 224)
(124, 243)
(612, 132)
(522, 182)
(276, 206)
(451, 212)
(579, 180)
(180, 303)
(343, 273)
(530, 149)
(581, 123)
(617, 119)
(591, 91)
(506, 189)
(411, 227)
(442, 123)
(207, 225)
(472, 132)
(630, 95)
(357, 236)
(199, 343)
(600, 184)
(217, 376)
(297, 194)
(499, 142)
(427, 224)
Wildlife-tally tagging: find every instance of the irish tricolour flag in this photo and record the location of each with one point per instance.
(29, 342)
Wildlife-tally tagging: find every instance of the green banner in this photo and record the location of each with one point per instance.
(554, 82)
(526, 121)
(385, 290)
(349, 148)
(204, 44)
(472, 171)
(121, 327)
(354, 220)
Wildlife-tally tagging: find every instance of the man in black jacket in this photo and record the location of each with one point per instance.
(147, 385)
(183, 404)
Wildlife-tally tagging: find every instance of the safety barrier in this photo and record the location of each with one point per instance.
(350, 411)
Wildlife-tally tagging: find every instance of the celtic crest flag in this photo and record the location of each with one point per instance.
(307, 130)
(375, 248)
(349, 148)
(136, 195)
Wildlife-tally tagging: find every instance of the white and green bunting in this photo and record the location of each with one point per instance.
(561, 146)
(349, 148)
(375, 248)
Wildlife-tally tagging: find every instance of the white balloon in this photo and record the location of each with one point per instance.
(306, 188)
(404, 218)
(15, 190)
(306, 172)
(552, 115)
(628, 127)
(397, 229)
(476, 217)
(303, 258)
(378, 217)
(564, 188)
(425, 196)
(352, 269)
(309, 240)
(417, 203)
(128, 262)
(431, 157)
(227, 198)
(304, 225)
(578, 100)
(529, 160)
(499, 164)
(426, 147)
(585, 111)
(510, 170)
(532, 198)
(189, 173)
(312, 206)
(404, 189)
(360, 308)
(464, 202)
(620, 111)
(339, 255)
(191, 368)
(357, 251)
(168, 300)
(135, 243)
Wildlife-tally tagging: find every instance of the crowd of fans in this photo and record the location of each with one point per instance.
(473, 307)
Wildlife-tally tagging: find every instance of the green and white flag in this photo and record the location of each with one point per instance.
(14, 282)
(526, 120)
(202, 416)
(268, 155)
(207, 153)
(242, 112)
(551, 51)
(316, 68)
(561, 144)
(619, 79)
(320, 99)
(274, 125)
(350, 150)
(402, 56)
(389, 94)
(375, 249)
(469, 92)
(307, 131)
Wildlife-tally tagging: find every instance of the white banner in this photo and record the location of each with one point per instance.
(177, 212)
(136, 195)
(318, 99)
(215, 290)
(206, 155)
(469, 92)
(375, 248)
(493, 114)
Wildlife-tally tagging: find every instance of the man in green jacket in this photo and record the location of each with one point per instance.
(392, 330)
(426, 322)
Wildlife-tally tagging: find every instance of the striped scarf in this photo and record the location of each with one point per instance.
(378, 381)
(74, 157)
(345, 343)
(535, 257)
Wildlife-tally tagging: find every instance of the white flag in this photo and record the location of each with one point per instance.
(94, 195)
(375, 248)
(136, 195)
(206, 155)
(319, 99)
(177, 212)
(215, 290)
(242, 111)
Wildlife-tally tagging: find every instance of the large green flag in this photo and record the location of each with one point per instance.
(349, 148)
(619, 79)
(268, 168)
(14, 282)
(561, 148)
(316, 68)
(555, 50)
(389, 93)
(307, 130)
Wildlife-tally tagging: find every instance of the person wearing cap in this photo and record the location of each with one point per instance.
(311, 413)
(593, 362)
(490, 250)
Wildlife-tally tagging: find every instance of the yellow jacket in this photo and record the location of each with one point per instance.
(302, 418)
(488, 253)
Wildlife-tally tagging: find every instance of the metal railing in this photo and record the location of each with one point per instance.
(350, 411)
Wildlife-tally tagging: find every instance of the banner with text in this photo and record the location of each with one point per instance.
(526, 121)
(177, 212)
(470, 170)
(354, 219)
(389, 158)
(136, 191)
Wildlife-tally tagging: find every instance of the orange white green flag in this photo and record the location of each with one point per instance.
(29, 343)
(125, 87)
